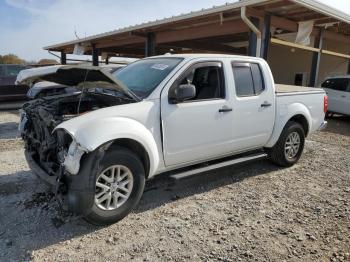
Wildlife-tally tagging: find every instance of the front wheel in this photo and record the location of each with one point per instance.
(289, 147)
(119, 185)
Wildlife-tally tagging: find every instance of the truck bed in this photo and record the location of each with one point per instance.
(289, 89)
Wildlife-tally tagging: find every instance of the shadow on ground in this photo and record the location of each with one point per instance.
(338, 124)
(9, 130)
(30, 218)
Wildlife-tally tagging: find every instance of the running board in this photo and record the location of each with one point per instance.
(218, 165)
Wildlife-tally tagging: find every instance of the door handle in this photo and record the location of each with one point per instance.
(343, 96)
(266, 104)
(225, 109)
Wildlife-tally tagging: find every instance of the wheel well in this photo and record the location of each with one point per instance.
(303, 121)
(136, 147)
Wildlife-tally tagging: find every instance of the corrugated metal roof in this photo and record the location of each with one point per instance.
(324, 9)
(212, 10)
(311, 4)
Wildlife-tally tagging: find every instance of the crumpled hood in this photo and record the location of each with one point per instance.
(74, 75)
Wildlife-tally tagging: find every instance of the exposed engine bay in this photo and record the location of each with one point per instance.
(39, 118)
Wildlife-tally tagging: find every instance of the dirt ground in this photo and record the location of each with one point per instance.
(251, 212)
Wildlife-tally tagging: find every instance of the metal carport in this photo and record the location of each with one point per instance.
(237, 28)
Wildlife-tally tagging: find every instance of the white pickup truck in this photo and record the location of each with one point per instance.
(180, 113)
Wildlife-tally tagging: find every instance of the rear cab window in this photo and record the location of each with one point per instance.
(248, 79)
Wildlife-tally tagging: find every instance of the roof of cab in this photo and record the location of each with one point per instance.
(199, 55)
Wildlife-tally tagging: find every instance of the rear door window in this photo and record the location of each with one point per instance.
(248, 79)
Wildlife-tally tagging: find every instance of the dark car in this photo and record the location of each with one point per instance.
(8, 90)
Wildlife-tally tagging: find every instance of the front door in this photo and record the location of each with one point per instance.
(201, 127)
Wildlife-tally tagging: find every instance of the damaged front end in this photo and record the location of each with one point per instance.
(71, 161)
(53, 154)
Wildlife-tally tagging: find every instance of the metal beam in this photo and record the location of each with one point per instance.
(209, 45)
(212, 30)
(316, 59)
(150, 45)
(290, 44)
(266, 37)
(328, 52)
(94, 55)
(125, 41)
(63, 58)
(253, 39)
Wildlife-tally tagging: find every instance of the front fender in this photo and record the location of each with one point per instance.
(285, 113)
(91, 135)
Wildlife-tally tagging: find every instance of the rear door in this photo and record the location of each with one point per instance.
(253, 105)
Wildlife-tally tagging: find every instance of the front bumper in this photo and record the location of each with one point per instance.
(38, 171)
(80, 193)
(323, 125)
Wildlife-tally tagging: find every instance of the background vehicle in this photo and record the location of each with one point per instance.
(45, 88)
(8, 90)
(338, 91)
(180, 113)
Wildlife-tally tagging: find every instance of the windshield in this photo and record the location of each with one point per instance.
(143, 76)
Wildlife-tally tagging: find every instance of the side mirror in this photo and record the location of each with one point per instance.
(182, 93)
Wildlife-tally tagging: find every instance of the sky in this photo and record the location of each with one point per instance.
(29, 25)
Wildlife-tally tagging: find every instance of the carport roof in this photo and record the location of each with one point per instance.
(295, 10)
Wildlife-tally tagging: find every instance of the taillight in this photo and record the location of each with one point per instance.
(325, 104)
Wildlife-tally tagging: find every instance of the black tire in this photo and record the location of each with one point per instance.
(329, 115)
(125, 157)
(277, 153)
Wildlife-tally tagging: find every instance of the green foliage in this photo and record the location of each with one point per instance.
(11, 59)
(47, 62)
(14, 59)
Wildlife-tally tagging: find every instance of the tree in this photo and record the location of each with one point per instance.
(11, 59)
(47, 62)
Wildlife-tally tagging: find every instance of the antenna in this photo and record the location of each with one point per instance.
(76, 34)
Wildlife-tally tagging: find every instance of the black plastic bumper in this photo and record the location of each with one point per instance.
(81, 187)
(38, 171)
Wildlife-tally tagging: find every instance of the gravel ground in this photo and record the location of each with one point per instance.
(251, 212)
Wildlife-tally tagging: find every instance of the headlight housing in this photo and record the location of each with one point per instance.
(72, 158)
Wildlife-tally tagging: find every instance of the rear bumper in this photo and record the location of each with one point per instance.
(38, 171)
(323, 125)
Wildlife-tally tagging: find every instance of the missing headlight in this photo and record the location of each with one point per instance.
(72, 158)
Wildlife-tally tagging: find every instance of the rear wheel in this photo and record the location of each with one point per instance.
(289, 147)
(119, 185)
(329, 115)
